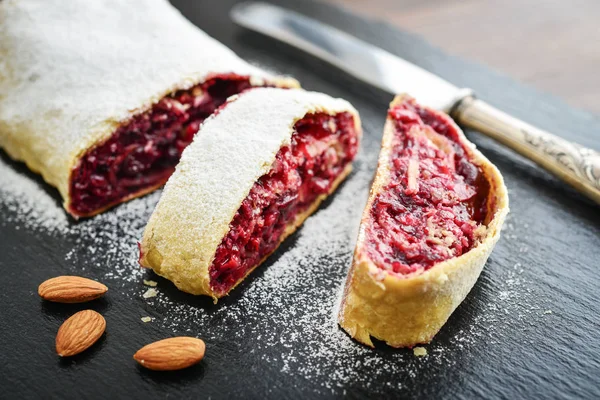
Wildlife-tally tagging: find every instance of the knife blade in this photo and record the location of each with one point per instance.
(356, 57)
(574, 164)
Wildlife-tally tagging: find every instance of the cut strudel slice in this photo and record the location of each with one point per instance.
(257, 169)
(101, 96)
(433, 216)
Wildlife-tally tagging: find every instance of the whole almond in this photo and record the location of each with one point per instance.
(71, 289)
(171, 354)
(79, 332)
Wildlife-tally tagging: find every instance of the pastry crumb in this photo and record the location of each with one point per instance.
(547, 312)
(420, 351)
(150, 283)
(146, 319)
(150, 293)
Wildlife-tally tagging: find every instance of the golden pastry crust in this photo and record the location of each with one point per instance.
(202, 196)
(407, 310)
(72, 72)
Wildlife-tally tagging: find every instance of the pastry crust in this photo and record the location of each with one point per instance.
(407, 310)
(72, 72)
(235, 147)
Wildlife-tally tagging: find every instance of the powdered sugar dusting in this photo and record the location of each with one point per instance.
(28, 203)
(84, 66)
(248, 133)
(109, 240)
(286, 315)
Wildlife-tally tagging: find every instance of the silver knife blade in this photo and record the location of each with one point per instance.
(354, 56)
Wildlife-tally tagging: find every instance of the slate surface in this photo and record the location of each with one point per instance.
(529, 329)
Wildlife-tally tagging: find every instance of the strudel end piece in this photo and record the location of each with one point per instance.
(433, 216)
(100, 97)
(257, 169)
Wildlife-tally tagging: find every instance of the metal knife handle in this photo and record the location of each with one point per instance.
(574, 164)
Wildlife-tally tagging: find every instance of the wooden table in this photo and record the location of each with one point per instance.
(551, 44)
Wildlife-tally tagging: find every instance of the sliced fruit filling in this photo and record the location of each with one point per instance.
(321, 148)
(435, 203)
(142, 154)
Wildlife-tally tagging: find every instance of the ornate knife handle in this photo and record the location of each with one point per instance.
(574, 164)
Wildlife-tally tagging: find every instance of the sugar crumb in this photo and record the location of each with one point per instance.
(420, 351)
(150, 293)
(146, 319)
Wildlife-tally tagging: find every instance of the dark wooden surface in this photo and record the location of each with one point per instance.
(553, 45)
(529, 328)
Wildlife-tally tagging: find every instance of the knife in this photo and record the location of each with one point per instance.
(574, 164)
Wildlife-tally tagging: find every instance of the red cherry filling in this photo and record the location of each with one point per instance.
(142, 154)
(435, 200)
(321, 148)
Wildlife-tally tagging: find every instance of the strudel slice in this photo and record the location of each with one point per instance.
(433, 216)
(256, 170)
(102, 96)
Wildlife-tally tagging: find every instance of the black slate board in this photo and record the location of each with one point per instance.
(529, 328)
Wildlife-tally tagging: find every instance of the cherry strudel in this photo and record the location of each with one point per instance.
(257, 169)
(100, 97)
(433, 216)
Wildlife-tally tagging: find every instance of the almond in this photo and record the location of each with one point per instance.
(171, 354)
(71, 289)
(79, 332)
